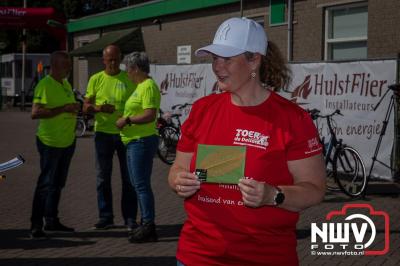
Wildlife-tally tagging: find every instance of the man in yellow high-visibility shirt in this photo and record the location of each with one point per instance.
(54, 104)
(106, 94)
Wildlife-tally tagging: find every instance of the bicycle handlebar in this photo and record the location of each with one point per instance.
(180, 106)
(315, 113)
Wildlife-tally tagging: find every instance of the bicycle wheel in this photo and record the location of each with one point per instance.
(349, 171)
(331, 183)
(169, 137)
(80, 128)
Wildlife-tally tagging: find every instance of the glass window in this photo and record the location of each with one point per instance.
(260, 19)
(348, 50)
(6, 70)
(346, 32)
(277, 12)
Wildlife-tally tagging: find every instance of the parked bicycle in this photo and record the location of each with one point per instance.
(10, 164)
(169, 128)
(84, 121)
(345, 167)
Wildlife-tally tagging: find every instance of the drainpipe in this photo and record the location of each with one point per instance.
(290, 31)
(23, 66)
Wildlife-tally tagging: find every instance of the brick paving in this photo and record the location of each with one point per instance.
(78, 209)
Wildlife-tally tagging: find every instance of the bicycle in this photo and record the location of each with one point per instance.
(10, 164)
(345, 167)
(169, 129)
(83, 121)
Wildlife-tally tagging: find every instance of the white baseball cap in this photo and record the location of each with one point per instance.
(236, 36)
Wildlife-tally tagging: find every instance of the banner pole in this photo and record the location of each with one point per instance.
(396, 146)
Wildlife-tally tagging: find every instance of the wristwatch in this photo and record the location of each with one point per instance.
(279, 197)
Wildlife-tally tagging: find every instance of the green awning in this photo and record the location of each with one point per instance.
(142, 11)
(128, 40)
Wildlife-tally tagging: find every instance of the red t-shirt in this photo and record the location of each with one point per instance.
(219, 229)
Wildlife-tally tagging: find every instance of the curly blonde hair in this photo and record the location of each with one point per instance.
(274, 71)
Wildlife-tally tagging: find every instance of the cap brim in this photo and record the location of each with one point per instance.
(220, 50)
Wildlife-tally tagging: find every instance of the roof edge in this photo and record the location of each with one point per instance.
(140, 12)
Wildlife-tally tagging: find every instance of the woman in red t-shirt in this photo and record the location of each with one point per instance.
(252, 222)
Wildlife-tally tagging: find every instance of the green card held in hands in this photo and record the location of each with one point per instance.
(220, 164)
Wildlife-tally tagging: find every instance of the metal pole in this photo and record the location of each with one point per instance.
(1, 74)
(23, 66)
(290, 31)
(2, 46)
(396, 146)
(241, 8)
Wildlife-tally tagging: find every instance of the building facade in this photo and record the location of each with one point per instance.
(305, 30)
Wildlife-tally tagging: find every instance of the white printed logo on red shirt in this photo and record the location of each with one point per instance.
(251, 138)
(313, 145)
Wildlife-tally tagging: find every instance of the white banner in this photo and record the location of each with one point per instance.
(355, 88)
(180, 84)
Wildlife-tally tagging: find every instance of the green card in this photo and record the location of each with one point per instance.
(220, 164)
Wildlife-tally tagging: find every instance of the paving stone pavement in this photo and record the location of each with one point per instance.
(78, 209)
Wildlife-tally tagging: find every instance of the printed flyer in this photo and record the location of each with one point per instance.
(220, 164)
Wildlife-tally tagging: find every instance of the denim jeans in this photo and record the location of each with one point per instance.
(106, 145)
(54, 165)
(140, 154)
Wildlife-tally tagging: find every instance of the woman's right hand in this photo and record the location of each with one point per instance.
(186, 184)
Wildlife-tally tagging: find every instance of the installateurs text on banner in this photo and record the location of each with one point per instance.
(354, 88)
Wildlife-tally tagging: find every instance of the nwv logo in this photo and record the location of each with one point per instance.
(340, 232)
(339, 235)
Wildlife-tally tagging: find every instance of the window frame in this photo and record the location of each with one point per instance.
(285, 15)
(81, 43)
(260, 18)
(329, 41)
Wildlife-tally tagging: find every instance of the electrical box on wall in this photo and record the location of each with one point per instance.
(184, 54)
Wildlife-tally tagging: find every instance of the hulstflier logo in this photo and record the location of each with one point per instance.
(362, 84)
(185, 84)
(351, 231)
(302, 91)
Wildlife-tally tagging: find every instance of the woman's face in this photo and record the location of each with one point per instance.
(232, 73)
(132, 71)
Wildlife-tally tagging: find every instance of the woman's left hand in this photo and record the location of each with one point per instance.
(121, 122)
(256, 194)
